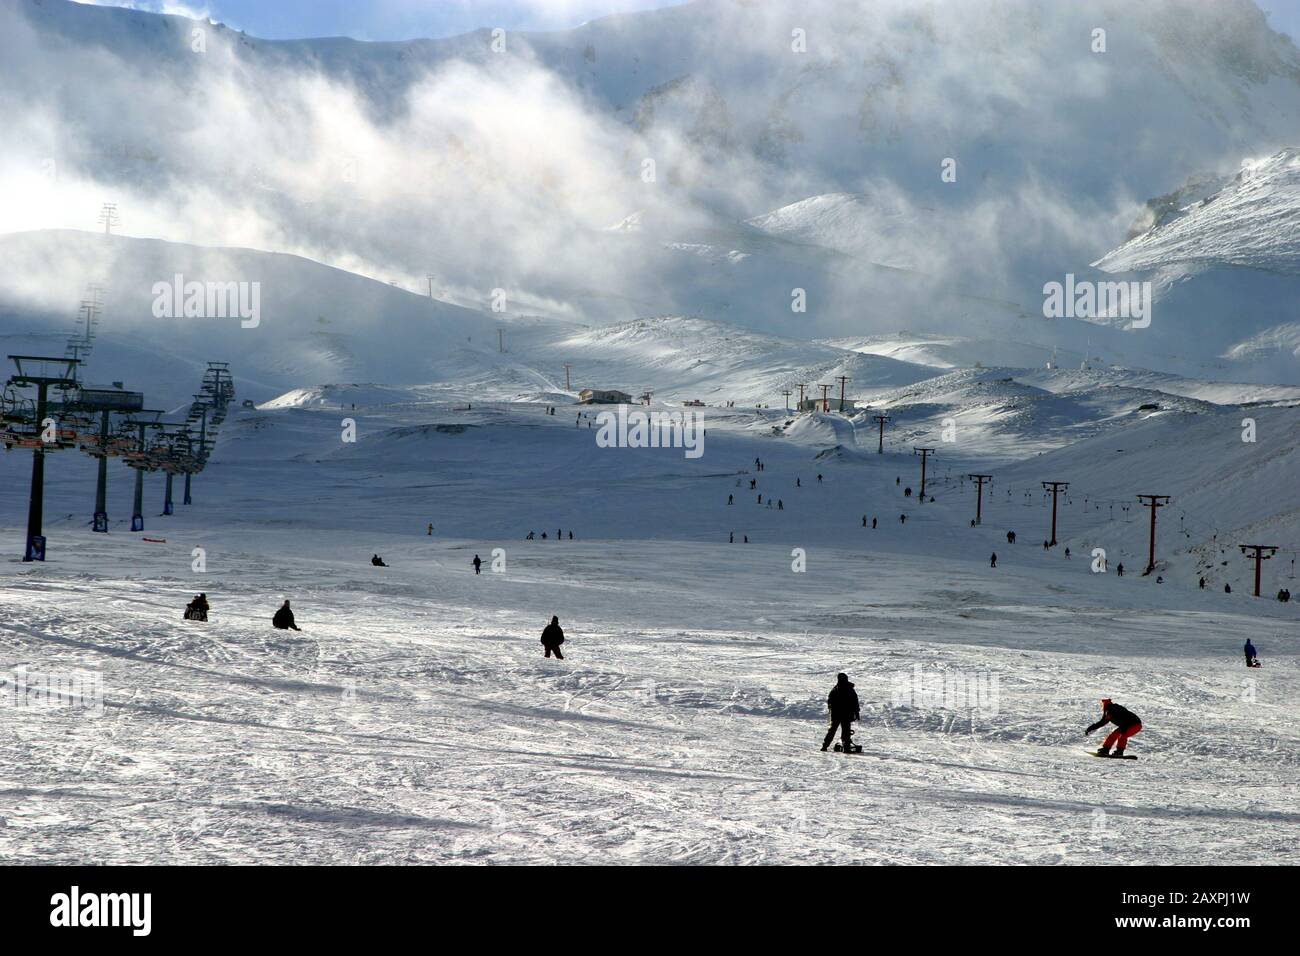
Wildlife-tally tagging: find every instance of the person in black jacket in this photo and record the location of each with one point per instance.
(283, 619)
(1126, 724)
(1251, 656)
(552, 638)
(197, 610)
(377, 561)
(843, 704)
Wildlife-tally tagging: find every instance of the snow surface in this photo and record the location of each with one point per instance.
(414, 719)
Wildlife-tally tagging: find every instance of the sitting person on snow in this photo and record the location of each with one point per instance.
(283, 619)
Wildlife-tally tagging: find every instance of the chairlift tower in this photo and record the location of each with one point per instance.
(43, 373)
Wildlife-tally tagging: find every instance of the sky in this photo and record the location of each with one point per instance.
(410, 19)
(389, 19)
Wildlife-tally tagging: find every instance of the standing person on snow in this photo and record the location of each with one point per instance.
(478, 563)
(1251, 657)
(993, 561)
(1126, 724)
(1011, 537)
(1120, 569)
(283, 619)
(552, 638)
(843, 704)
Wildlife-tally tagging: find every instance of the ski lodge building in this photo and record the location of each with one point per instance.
(603, 396)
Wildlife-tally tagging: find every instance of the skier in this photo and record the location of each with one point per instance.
(907, 492)
(1045, 544)
(1120, 569)
(780, 504)
(873, 524)
(1126, 724)
(897, 481)
(478, 563)
(1011, 537)
(552, 638)
(731, 499)
(530, 537)
(1067, 554)
(197, 609)
(843, 704)
(543, 535)
(430, 531)
(731, 537)
(902, 519)
(570, 535)
(864, 521)
(377, 561)
(993, 561)
(746, 541)
(797, 484)
(819, 479)
(1252, 659)
(1227, 589)
(1202, 584)
(283, 619)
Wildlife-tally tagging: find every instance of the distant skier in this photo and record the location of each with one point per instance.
(552, 638)
(570, 535)
(430, 531)
(731, 499)
(864, 521)
(1126, 724)
(907, 492)
(1067, 554)
(902, 519)
(746, 539)
(780, 504)
(530, 537)
(1202, 584)
(843, 704)
(993, 561)
(1227, 589)
(1011, 537)
(543, 535)
(1045, 544)
(897, 481)
(197, 609)
(1252, 659)
(731, 538)
(1120, 569)
(283, 619)
(797, 483)
(873, 524)
(478, 563)
(819, 479)
(377, 561)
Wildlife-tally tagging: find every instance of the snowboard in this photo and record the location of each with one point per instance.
(1124, 757)
(853, 748)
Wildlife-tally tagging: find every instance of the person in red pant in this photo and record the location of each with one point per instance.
(1126, 724)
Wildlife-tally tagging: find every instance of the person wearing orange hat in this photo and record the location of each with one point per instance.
(1126, 724)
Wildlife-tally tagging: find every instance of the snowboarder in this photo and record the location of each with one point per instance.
(1252, 660)
(993, 561)
(1011, 537)
(478, 563)
(843, 704)
(377, 561)
(1126, 724)
(283, 619)
(197, 609)
(552, 638)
